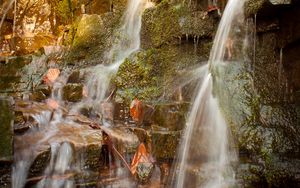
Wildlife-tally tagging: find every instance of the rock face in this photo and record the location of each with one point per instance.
(165, 144)
(6, 132)
(266, 120)
(89, 36)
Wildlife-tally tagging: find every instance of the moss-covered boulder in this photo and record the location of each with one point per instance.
(169, 23)
(160, 25)
(158, 72)
(171, 116)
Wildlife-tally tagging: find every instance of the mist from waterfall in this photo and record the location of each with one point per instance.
(206, 151)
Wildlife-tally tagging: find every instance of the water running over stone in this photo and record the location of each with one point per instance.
(56, 126)
(127, 43)
(205, 154)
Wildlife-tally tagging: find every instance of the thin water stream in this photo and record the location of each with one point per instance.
(54, 128)
(205, 151)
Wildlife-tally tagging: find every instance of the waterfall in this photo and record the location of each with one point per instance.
(60, 165)
(97, 84)
(128, 42)
(205, 150)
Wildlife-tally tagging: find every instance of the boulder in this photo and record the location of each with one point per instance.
(72, 92)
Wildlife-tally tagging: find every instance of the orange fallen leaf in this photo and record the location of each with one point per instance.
(136, 110)
(51, 76)
(52, 103)
(140, 156)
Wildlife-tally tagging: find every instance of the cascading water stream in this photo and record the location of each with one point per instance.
(205, 145)
(50, 122)
(128, 42)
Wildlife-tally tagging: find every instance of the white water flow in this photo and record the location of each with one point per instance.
(205, 150)
(58, 171)
(51, 122)
(280, 72)
(127, 43)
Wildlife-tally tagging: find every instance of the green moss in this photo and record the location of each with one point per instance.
(64, 10)
(161, 25)
(164, 144)
(253, 6)
(139, 77)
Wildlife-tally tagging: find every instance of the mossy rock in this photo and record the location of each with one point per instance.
(164, 144)
(6, 129)
(160, 25)
(72, 92)
(89, 39)
(157, 72)
(253, 6)
(10, 73)
(37, 96)
(171, 116)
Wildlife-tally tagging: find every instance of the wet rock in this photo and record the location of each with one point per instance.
(140, 76)
(278, 115)
(144, 172)
(46, 90)
(74, 77)
(89, 41)
(164, 144)
(72, 92)
(21, 124)
(268, 25)
(6, 128)
(86, 144)
(40, 162)
(160, 25)
(92, 161)
(170, 116)
(5, 174)
(37, 96)
(10, 74)
(168, 23)
(280, 2)
(121, 112)
(198, 24)
(107, 112)
(165, 172)
(31, 44)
